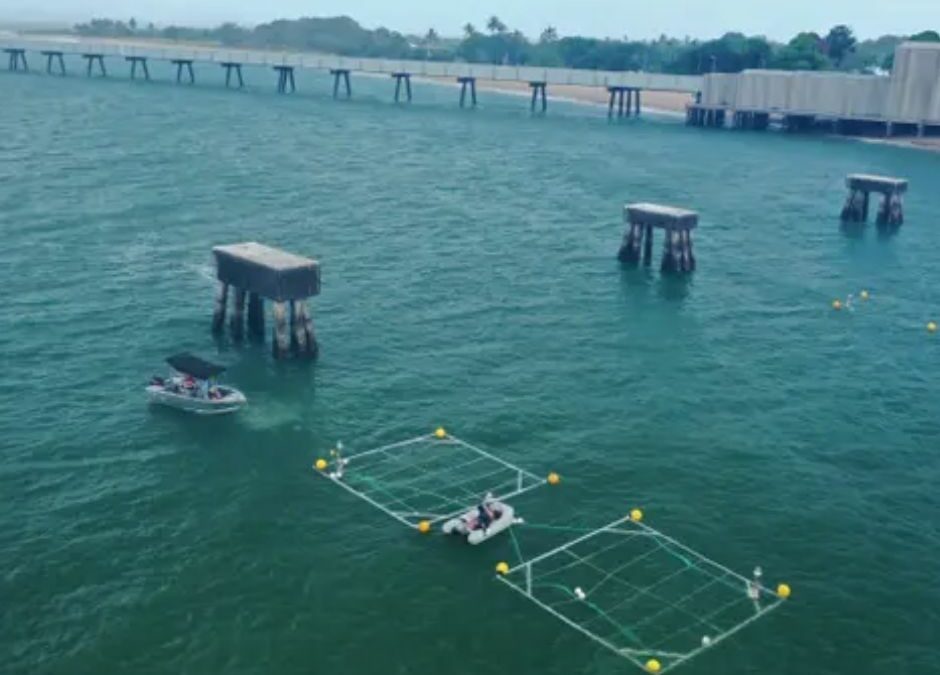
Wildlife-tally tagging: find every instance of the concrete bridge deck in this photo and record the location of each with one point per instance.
(327, 62)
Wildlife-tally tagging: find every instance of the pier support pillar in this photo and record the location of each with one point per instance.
(92, 59)
(399, 78)
(237, 323)
(142, 60)
(671, 252)
(625, 99)
(631, 246)
(648, 245)
(891, 209)
(538, 90)
(287, 280)
(303, 341)
(678, 257)
(17, 59)
(468, 83)
(54, 58)
(616, 97)
(688, 255)
(181, 65)
(855, 209)
(255, 316)
(285, 79)
(229, 67)
(677, 245)
(218, 316)
(342, 74)
(280, 337)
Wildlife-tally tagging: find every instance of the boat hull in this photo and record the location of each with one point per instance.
(461, 525)
(232, 401)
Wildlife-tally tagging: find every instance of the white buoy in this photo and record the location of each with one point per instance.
(706, 641)
(579, 593)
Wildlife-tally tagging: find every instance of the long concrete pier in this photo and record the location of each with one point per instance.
(284, 64)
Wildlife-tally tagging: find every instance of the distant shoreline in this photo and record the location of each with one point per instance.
(658, 103)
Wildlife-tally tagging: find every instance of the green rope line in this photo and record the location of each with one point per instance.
(558, 528)
(515, 545)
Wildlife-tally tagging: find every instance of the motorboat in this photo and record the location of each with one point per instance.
(192, 387)
(468, 525)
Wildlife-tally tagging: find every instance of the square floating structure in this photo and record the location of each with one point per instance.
(642, 594)
(265, 272)
(678, 223)
(891, 211)
(428, 479)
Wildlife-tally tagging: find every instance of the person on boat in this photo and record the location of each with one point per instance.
(484, 513)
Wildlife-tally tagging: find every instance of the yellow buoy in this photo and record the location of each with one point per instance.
(863, 295)
(653, 666)
(931, 327)
(320, 465)
(424, 527)
(837, 304)
(554, 478)
(783, 591)
(440, 433)
(636, 515)
(502, 568)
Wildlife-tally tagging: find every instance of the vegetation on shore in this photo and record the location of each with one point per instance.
(837, 50)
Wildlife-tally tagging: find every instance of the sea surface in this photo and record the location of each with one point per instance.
(469, 280)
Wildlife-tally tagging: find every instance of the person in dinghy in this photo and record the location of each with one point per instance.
(486, 514)
(486, 520)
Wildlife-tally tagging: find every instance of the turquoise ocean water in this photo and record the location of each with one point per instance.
(470, 280)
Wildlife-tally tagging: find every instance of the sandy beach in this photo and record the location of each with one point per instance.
(661, 102)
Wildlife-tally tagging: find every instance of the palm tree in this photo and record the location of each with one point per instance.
(549, 35)
(430, 40)
(469, 30)
(494, 25)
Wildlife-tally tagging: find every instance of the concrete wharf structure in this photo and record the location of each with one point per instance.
(891, 211)
(678, 224)
(260, 272)
(340, 67)
(54, 57)
(17, 59)
(905, 103)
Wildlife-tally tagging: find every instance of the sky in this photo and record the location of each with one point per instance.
(636, 19)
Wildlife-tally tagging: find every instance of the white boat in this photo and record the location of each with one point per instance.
(192, 388)
(468, 525)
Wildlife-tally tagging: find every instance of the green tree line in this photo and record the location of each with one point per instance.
(496, 43)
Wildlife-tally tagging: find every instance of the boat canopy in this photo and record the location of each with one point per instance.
(188, 364)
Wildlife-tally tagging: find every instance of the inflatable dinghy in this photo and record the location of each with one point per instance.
(468, 525)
